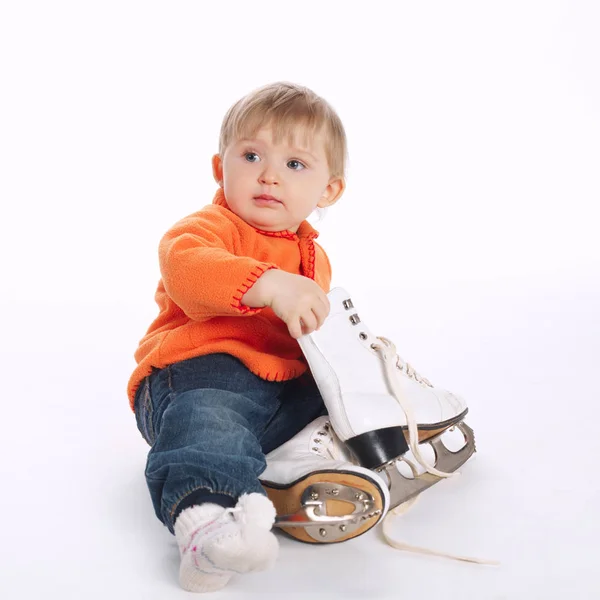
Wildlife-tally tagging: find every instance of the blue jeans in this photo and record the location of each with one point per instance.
(210, 422)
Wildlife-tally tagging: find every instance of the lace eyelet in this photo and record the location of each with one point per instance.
(354, 319)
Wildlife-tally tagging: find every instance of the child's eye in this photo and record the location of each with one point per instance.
(296, 165)
(251, 156)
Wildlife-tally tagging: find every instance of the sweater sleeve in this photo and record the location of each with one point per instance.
(201, 273)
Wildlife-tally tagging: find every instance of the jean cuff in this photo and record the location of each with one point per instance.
(202, 496)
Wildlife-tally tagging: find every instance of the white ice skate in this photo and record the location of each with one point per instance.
(319, 496)
(379, 406)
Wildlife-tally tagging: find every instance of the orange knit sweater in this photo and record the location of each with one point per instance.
(208, 261)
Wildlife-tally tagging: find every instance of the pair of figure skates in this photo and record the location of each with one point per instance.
(340, 475)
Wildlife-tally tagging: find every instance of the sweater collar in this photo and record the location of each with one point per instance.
(305, 230)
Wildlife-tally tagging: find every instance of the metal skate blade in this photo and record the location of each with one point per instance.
(319, 525)
(404, 488)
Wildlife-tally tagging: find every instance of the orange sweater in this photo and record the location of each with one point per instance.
(208, 261)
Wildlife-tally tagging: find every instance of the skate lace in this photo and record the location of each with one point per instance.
(407, 368)
(388, 352)
(326, 444)
(403, 509)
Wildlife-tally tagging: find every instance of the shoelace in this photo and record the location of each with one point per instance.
(404, 366)
(330, 444)
(327, 443)
(388, 352)
(403, 509)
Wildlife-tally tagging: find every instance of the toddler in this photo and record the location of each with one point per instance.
(220, 378)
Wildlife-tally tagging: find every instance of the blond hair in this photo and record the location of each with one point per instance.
(284, 106)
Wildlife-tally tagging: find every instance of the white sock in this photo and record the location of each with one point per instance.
(215, 543)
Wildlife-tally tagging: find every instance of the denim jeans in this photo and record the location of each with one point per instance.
(210, 422)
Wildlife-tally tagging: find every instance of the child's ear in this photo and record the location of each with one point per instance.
(217, 167)
(333, 192)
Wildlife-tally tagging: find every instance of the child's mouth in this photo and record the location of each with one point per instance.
(266, 200)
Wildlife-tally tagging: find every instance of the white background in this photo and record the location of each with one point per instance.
(468, 235)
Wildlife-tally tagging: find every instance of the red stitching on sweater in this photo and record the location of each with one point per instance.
(285, 375)
(311, 259)
(279, 234)
(248, 309)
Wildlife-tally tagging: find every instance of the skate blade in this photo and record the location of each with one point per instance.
(327, 507)
(404, 488)
(428, 433)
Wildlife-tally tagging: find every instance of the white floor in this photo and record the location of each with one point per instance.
(78, 522)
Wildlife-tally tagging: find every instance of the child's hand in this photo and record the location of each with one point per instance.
(298, 301)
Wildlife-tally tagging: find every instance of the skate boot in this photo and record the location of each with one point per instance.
(379, 406)
(319, 496)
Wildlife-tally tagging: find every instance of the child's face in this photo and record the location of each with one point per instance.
(297, 176)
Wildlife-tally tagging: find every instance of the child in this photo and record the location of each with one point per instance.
(221, 380)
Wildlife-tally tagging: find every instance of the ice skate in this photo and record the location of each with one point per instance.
(319, 496)
(379, 406)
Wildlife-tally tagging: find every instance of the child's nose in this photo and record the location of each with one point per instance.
(268, 176)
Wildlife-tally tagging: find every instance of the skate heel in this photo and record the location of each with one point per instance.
(378, 447)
